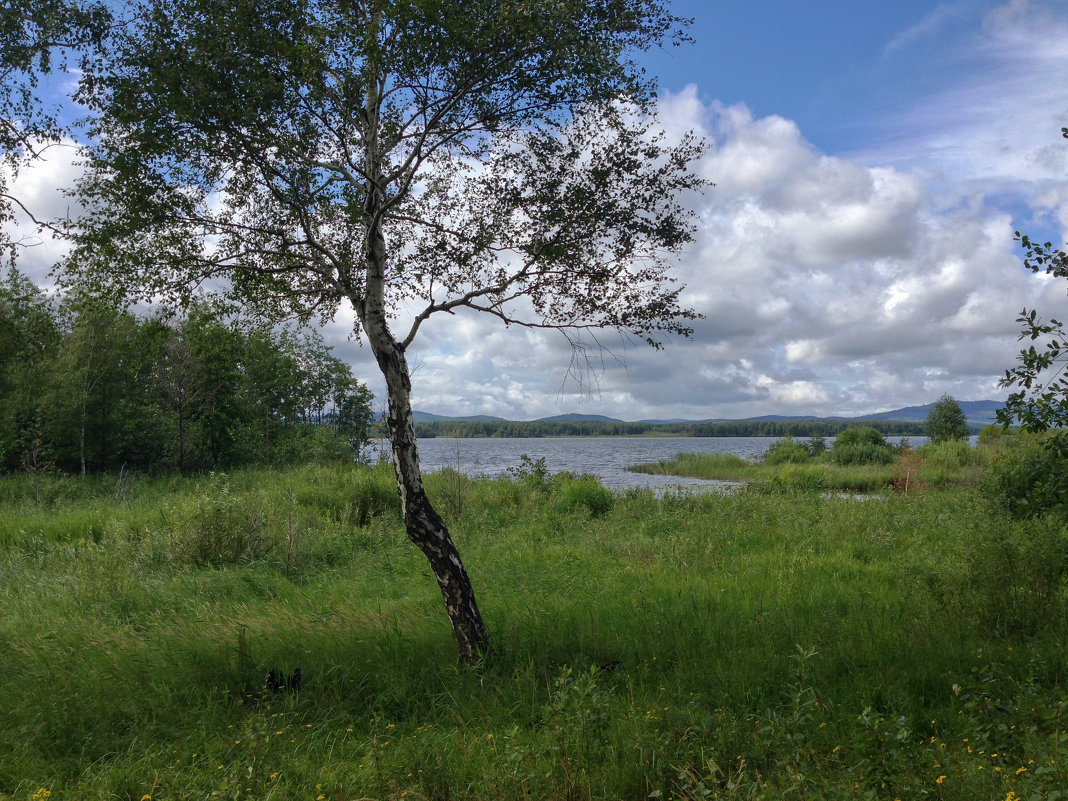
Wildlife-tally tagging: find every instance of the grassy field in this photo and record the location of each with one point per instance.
(769, 643)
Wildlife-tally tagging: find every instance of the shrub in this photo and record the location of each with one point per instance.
(865, 435)
(1030, 478)
(574, 492)
(347, 494)
(861, 453)
(532, 473)
(316, 444)
(948, 453)
(217, 526)
(1019, 573)
(861, 446)
(993, 434)
(800, 478)
(786, 451)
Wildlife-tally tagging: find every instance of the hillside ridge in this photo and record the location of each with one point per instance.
(981, 412)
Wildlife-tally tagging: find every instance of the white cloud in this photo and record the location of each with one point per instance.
(39, 189)
(992, 123)
(828, 286)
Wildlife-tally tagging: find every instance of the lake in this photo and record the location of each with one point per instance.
(605, 457)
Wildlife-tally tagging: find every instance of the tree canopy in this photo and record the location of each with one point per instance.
(946, 421)
(37, 38)
(408, 159)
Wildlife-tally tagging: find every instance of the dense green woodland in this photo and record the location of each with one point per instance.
(598, 428)
(88, 386)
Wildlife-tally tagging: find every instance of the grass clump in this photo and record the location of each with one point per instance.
(760, 644)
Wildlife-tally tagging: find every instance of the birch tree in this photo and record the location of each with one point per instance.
(407, 158)
(37, 38)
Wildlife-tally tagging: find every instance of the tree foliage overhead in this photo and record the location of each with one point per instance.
(1041, 399)
(37, 38)
(946, 421)
(500, 150)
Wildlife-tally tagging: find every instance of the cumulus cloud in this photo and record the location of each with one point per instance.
(828, 286)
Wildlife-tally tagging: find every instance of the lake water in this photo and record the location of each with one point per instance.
(605, 457)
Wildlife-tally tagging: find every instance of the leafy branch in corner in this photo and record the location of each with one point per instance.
(1041, 400)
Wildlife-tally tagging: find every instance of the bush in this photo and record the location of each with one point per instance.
(866, 435)
(792, 477)
(218, 526)
(532, 473)
(786, 451)
(348, 495)
(993, 434)
(315, 444)
(1019, 573)
(1030, 478)
(575, 492)
(948, 453)
(861, 446)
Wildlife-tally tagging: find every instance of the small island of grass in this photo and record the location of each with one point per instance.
(860, 460)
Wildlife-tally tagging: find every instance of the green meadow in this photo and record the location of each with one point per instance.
(770, 642)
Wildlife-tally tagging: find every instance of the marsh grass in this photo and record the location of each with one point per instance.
(946, 464)
(761, 644)
(815, 473)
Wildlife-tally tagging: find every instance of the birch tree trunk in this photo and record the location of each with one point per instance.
(424, 526)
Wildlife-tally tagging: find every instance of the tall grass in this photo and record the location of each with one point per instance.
(788, 464)
(813, 473)
(761, 644)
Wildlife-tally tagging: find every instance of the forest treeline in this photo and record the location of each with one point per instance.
(597, 428)
(88, 386)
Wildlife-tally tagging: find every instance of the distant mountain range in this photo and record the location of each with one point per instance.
(979, 413)
(427, 417)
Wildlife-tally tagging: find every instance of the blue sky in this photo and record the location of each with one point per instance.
(842, 70)
(871, 163)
